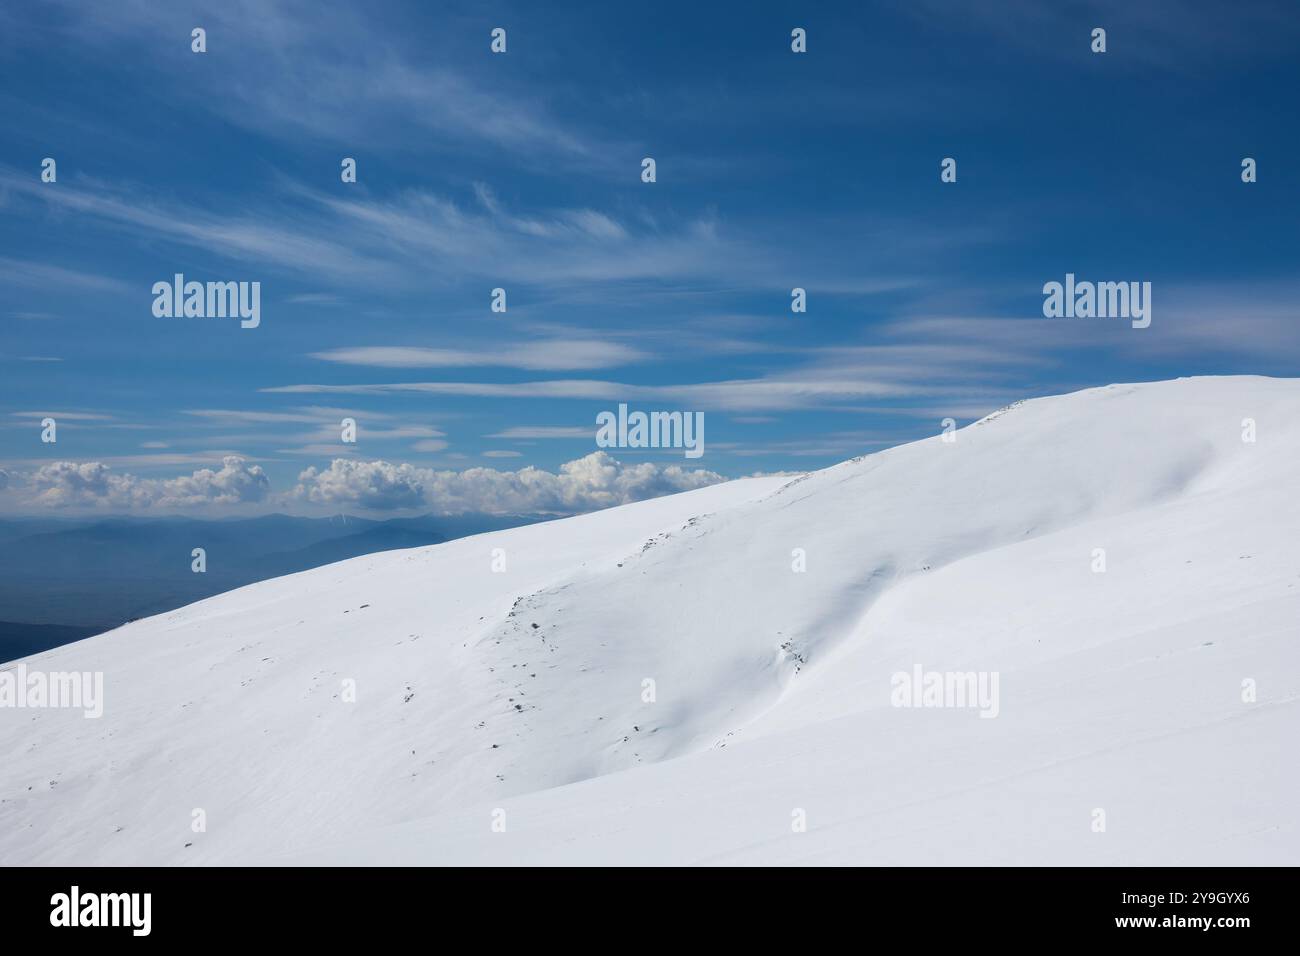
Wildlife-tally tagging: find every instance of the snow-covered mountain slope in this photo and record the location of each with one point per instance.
(549, 697)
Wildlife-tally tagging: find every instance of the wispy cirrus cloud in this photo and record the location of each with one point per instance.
(351, 80)
(741, 394)
(525, 432)
(833, 377)
(546, 355)
(1254, 320)
(232, 416)
(67, 416)
(326, 437)
(43, 275)
(301, 414)
(409, 241)
(550, 247)
(286, 240)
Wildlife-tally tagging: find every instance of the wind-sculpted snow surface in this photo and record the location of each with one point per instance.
(1117, 571)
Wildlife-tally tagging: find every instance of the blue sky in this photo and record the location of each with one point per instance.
(775, 170)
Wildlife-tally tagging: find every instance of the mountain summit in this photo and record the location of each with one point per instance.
(1063, 634)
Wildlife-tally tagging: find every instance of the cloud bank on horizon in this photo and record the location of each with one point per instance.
(462, 252)
(586, 484)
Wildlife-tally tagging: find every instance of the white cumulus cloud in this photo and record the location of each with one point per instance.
(586, 484)
(80, 484)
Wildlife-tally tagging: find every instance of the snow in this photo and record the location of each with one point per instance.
(1120, 691)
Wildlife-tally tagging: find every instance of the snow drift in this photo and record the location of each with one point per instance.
(708, 677)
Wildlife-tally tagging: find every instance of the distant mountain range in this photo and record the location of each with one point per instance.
(62, 579)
